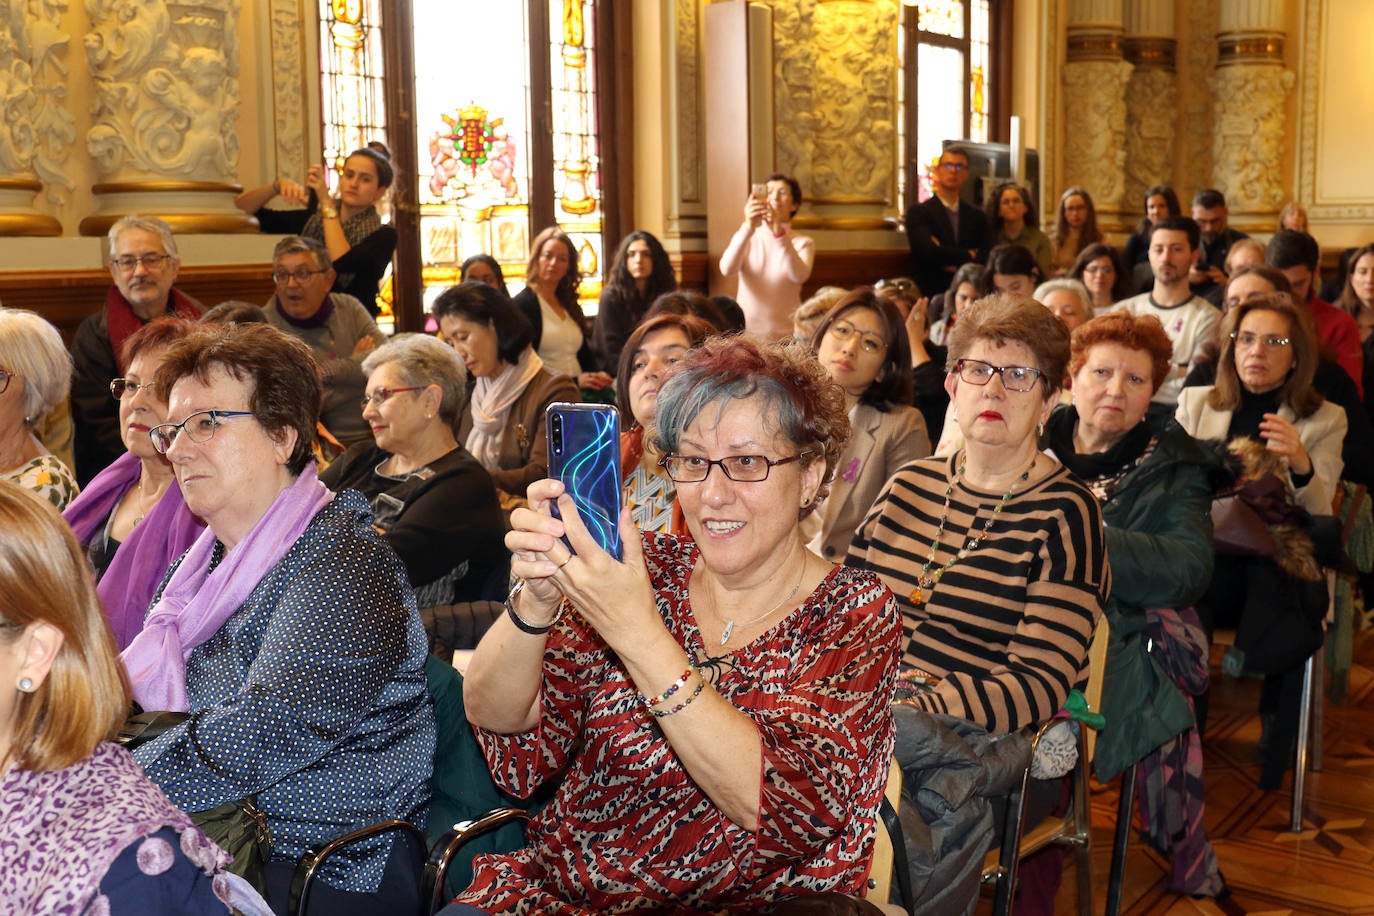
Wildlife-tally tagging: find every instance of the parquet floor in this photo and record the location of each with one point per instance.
(1326, 869)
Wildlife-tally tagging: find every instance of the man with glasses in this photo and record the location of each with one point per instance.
(945, 232)
(336, 326)
(143, 264)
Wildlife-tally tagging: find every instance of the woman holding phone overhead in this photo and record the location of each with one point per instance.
(771, 261)
(664, 689)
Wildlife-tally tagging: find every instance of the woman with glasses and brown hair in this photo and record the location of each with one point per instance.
(35, 375)
(288, 630)
(131, 519)
(863, 346)
(1099, 268)
(666, 690)
(1013, 221)
(995, 553)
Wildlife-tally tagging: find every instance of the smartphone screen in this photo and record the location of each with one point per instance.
(584, 454)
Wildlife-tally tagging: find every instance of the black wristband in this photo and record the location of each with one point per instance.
(520, 624)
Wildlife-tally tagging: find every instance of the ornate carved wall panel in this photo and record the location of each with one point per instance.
(1151, 119)
(690, 175)
(1095, 128)
(1196, 63)
(288, 90)
(36, 130)
(1249, 134)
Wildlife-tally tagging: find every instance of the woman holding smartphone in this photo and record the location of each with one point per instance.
(770, 260)
(665, 690)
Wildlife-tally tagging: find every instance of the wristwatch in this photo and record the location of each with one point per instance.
(329, 213)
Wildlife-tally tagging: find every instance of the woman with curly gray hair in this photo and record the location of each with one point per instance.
(35, 376)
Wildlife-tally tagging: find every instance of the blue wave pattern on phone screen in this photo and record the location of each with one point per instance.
(589, 473)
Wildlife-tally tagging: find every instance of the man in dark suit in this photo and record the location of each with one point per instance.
(944, 232)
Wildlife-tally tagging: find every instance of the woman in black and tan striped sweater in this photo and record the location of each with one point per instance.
(996, 553)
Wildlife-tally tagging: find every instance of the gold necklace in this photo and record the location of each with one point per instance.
(927, 581)
(730, 624)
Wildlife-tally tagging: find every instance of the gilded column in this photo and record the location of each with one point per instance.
(164, 132)
(1249, 90)
(1151, 98)
(35, 128)
(835, 94)
(1095, 78)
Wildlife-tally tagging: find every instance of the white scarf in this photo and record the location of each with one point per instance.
(491, 402)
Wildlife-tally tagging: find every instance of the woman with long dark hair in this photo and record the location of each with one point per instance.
(640, 273)
(549, 303)
(1075, 228)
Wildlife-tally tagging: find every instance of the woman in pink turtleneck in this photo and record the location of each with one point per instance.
(772, 264)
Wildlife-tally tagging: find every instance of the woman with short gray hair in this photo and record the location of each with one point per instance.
(35, 376)
(434, 502)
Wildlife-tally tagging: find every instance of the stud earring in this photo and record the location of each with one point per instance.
(26, 684)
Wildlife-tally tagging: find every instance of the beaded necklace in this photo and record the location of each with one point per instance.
(927, 581)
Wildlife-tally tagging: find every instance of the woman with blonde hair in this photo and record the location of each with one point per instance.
(84, 830)
(35, 376)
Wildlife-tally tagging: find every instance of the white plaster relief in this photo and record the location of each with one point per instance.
(36, 129)
(1249, 134)
(288, 103)
(166, 89)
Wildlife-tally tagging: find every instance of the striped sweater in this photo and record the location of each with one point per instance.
(1006, 628)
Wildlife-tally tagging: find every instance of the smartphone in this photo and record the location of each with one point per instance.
(584, 454)
(759, 191)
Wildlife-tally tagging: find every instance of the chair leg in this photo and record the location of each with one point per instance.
(1010, 854)
(1083, 833)
(1121, 840)
(1304, 726)
(1318, 702)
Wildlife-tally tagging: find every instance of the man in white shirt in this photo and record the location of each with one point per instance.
(1190, 321)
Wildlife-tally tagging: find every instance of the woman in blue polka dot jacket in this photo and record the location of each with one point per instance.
(288, 630)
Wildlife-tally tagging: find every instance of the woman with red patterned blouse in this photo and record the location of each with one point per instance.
(718, 706)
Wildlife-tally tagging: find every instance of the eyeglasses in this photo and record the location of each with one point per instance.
(5, 380)
(1099, 269)
(382, 395)
(150, 262)
(843, 331)
(1014, 378)
(300, 275)
(955, 166)
(122, 386)
(199, 428)
(1248, 339)
(739, 468)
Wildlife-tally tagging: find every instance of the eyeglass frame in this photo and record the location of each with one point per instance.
(1269, 341)
(865, 338)
(128, 263)
(5, 376)
(215, 416)
(1000, 372)
(768, 463)
(128, 387)
(382, 395)
(282, 277)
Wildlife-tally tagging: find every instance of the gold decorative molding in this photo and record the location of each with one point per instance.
(1150, 53)
(29, 224)
(846, 223)
(1256, 48)
(1092, 45)
(32, 185)
(181, 223)
(163, 187)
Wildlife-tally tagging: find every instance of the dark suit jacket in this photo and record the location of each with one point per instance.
(927, 222)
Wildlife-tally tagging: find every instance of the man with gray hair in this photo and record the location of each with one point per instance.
(336, 327)
(143, 264)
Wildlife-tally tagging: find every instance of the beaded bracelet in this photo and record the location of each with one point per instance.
(664, 713)
(520, 623)
(672, 689)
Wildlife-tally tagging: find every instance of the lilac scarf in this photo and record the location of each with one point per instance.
(127, 587)
(197, 602)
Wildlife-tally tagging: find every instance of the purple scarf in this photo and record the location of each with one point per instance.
(127, 587)
(64, 828)
(197, 602)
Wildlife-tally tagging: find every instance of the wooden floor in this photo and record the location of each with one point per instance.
(1328, 868)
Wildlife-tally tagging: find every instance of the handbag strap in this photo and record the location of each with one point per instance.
(900, 863)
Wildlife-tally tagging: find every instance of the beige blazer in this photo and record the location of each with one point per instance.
(880, 445)
(1322, 435)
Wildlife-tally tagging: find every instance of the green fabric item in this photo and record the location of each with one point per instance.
(1077, 707)
(462, 785)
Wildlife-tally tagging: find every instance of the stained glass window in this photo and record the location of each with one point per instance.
(945, 56)
(576, 176)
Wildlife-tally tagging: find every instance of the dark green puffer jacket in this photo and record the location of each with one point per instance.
(1159, 545)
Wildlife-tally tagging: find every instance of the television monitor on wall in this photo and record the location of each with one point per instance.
(990, 164)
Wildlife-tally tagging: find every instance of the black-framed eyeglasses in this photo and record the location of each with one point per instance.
(382, 395)
(199, 428)
(1248, 339)
(300, 275)
(127, 262)
(5, 376)
(739, 468)
(122, 386)
(1014, 378)
(843, 331)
